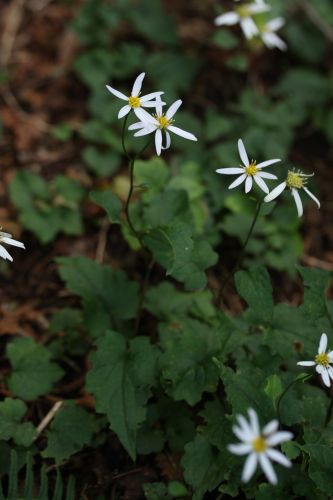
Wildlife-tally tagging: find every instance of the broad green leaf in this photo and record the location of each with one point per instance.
(120, 379)
(109, 201)
(71, 429)
(165, 207)
(152, 175)
(11, 413)
(204, 467)
(274, 387)
(255, 287)
(107, 288)
(189, 347)
(321, 466)
(315, 284)
(33, 373)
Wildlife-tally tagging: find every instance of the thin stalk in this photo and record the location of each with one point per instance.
(293, 382)
(241, 254)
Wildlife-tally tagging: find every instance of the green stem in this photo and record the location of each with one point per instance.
(293, 382)
(329, 413)
(123, 137)
(241, 253)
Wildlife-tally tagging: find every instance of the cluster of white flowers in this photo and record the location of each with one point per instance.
(157, 123)
(251, 170)
(7, 238)
(245, 15)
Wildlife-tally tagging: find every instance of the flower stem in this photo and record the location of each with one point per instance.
(300, 378)
(241, 254)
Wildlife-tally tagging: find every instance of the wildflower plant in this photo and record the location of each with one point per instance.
(176, 341)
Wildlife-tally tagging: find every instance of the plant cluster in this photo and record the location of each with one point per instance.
(168, 367)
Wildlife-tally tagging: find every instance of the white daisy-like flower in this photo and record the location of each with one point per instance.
(269, 36)
(322, 361)
(243, 15)
(159, 123)
(259, 446)
(135, 101)
(249, 170)
(7, 238)
(295, 181)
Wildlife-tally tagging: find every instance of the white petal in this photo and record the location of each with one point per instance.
(240, 449)
(272, 426)
(257, 8)
(249, 467)
(266, 175)
(326, 378)
(241, 434)
(306, 363)
(322, 344)
(173, 109)
(279, 437)
(248, 184)
(320, 369)
(230, 170)
(137, 85)
(266, 163)
(267, 468)
(144, 131)
(271, 40)
(245, 428)
(249, 28)
(254, 421)
(228, 19)
(4, 254)
(278, 457)
(15, 243)
(312, 196)
(144, 116)
(182, 133)
(275, 24)
(168, 140)
(242, 153)
(149, 97)
(124, 111)
(275, 192)
(330, 371)
(159, 107)
(118, 94)
(261, 183)
(330, 356)
(152, 104)
(137, 125)
(158, 142)
(238, 181)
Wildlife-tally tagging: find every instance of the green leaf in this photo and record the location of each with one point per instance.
(186, 363)
(120, 380)
(109, 201)
(11, 413)
(152, 174)
(203, 466)
(108, 289)
(315, 284)
(321, 468)
(273, 388)
(33, 372)
(255, 287)
(165, 207)
(71, 429)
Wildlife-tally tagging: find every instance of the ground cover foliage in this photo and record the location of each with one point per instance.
(163, 335)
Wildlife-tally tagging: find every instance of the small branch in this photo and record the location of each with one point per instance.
(102, 239)
(317, 20)
(48, 417)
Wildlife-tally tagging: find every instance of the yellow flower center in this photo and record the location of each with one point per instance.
(243, 11)
(322, 359)
(163, 121)
(252, 169)
(259, 444)
(134, 101)
(294, 180)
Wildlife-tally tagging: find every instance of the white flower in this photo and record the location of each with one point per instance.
(258, 445)
(135, 101)
(295, 181)
(268, 35)
(243, 16)
(249, 171)
(7, 238)
(322, 361)
(158, 123)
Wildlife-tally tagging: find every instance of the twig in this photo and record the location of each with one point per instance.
(102, 239)
(48, 417)
(313, 261)
(317, 20)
